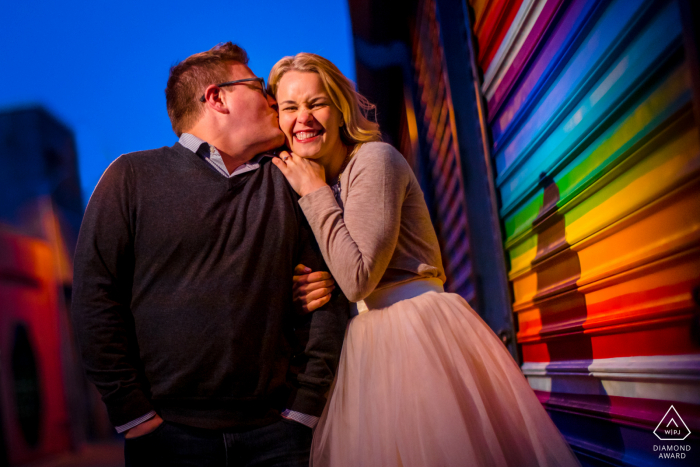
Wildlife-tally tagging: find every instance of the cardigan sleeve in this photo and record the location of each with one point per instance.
(103, 274)
(359, 242)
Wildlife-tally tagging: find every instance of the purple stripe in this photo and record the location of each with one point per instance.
(517, 67)
(552, 54)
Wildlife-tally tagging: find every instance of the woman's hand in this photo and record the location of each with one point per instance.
(304, 175)
(311, 290)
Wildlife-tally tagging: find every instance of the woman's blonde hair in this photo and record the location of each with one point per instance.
(357, 128)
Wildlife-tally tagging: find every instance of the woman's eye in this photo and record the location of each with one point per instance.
(289, 109)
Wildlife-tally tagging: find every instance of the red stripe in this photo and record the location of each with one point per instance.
(670, 336)
(650, 296)
(495, 28)
(523, 57)
(546, 53)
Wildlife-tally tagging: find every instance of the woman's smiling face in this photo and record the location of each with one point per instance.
(308, 117)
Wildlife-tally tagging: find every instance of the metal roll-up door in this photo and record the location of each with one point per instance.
(437, 163)
(589, 107)
(403, 65)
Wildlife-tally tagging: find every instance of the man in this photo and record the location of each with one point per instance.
(183, 286)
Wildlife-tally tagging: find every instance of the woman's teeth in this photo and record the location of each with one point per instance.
(306, 134)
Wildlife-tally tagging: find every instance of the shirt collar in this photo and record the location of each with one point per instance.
(194, 144)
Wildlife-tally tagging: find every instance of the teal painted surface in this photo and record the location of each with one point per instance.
(524, 159)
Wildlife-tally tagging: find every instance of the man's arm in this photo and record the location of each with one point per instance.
(326, 328)
(104, 266)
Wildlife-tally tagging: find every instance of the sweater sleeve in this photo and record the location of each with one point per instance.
(323, 330)
(358, 243)
(104, 326)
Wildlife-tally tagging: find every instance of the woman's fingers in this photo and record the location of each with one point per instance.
(280, 164)
(303, 176)
(281, 160)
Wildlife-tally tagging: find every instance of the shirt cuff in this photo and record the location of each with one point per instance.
(133, 423)
(308, 420)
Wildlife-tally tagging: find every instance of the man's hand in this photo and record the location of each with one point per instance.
(312, 290)
(144, 428)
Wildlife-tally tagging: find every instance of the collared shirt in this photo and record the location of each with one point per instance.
(211, 155)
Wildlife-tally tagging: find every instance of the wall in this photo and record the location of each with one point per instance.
(46, 406)
(566, 131)
(596, 155)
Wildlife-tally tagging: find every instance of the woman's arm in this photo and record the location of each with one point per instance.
(358, 243)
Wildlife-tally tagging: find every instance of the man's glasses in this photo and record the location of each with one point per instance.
(245, 80)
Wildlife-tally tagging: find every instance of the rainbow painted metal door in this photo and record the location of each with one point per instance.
(589, 106)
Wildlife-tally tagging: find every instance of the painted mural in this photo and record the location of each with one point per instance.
(597, 162)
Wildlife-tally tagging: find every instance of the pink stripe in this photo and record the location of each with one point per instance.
(523, 56)
(501, 120)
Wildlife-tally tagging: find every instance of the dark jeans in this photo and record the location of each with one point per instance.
(282, 444)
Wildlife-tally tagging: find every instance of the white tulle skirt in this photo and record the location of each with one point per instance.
(423, 381)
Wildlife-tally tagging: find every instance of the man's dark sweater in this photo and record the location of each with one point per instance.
(183, 295)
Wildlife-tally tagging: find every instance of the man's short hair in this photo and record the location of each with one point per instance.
(189, 78)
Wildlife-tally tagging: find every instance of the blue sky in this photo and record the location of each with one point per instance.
(101, 66)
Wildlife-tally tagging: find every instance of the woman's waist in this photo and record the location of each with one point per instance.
(391, 294)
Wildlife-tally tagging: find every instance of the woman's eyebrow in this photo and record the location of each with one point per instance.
(311, 100)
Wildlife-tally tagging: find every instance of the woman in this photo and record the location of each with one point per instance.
(422, 380)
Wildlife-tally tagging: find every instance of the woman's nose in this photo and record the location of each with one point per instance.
(304, 116)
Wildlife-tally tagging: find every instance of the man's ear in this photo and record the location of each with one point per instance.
(214, 99)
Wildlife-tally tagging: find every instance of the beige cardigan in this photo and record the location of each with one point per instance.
(383, 234)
